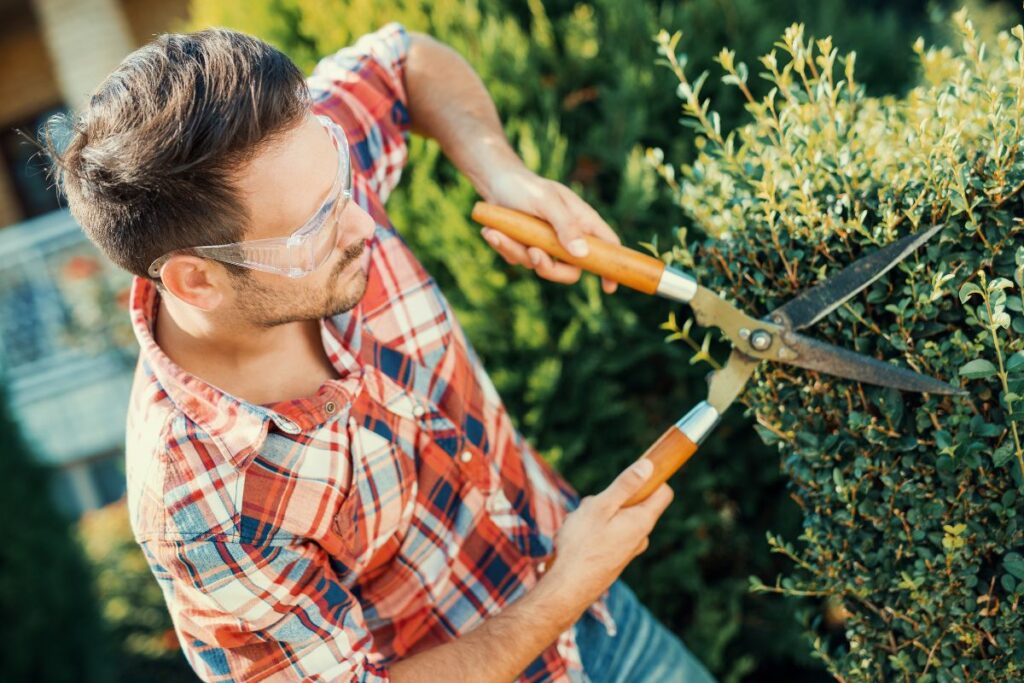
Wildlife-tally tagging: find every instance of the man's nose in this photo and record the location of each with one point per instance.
(361, 227)
(357, 226)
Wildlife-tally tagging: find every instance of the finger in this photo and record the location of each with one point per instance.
(590, 222)
(553, 270)
(652, 507)
(644, 544)
(513, 252)
(626, 484)
(556, 212)
(587, 218)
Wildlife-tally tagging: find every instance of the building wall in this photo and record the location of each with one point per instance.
(27, 86)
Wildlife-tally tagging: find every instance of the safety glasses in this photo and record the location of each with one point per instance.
(304, 250)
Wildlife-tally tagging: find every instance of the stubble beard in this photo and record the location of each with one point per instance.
(265, 308)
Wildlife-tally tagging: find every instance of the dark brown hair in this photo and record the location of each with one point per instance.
(148, 165)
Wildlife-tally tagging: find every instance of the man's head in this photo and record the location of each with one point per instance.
(205, 139)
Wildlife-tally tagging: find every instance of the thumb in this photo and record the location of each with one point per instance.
(627, 483)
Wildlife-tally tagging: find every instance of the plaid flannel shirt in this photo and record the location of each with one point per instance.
(325, 538)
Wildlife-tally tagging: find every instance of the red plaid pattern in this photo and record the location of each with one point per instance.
(324, 538)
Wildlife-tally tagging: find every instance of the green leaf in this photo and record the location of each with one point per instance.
(978, 369)
(1018, 273)
(653, 248)
(1002, 455)
(999, 283)
(1014, 564)
(981, 428)
(968, 290)
(1015, 363)
(769, 437)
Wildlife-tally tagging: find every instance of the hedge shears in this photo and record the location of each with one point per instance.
(773, 338)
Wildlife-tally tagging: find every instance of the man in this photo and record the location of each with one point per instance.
(320, 473)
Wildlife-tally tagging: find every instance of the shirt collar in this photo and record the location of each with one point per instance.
(237, 426)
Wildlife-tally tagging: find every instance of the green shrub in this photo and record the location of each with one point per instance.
(51, 630)
(912, 518)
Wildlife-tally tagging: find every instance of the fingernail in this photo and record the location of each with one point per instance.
(578, 248)
(644, 468)
(534, 257)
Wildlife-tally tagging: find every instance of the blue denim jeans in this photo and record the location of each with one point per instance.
(643, 651)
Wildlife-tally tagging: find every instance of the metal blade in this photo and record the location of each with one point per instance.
(834, 360)
(726, 384)
(813, 304)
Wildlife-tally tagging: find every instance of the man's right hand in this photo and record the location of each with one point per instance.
(595, 543)
(601, 537)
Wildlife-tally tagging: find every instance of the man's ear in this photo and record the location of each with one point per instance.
(195, 281)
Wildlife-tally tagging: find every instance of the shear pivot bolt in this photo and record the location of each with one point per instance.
(760, 340)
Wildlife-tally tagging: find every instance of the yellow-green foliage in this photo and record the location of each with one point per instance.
(912, 504)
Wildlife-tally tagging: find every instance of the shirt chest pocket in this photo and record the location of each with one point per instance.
(375, 516)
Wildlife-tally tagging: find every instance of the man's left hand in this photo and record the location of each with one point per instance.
(555, 203)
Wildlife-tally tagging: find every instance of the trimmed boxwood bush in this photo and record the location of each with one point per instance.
(912, 504)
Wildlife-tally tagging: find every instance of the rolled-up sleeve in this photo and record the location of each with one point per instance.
(362, 87)
(263, 613)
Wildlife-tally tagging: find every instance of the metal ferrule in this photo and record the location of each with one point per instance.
(676, 285)
(699, 422)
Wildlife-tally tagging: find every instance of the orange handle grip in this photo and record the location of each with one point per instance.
(623, 265)
(669, 453)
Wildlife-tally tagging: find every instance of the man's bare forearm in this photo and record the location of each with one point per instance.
(449, 103)
(500, 648)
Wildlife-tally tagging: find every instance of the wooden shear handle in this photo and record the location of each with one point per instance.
(626, 266)
(668, 453)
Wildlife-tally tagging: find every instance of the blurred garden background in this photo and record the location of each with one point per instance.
(588, 378)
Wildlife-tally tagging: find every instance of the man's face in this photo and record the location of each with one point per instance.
(283, 187)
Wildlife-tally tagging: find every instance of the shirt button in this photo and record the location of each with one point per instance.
(330, 407)
(542, 566)
(419, 411)
(465, 456)
(352, 424)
